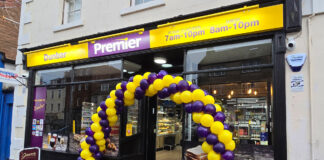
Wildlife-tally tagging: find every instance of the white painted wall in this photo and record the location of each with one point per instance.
(305, 109)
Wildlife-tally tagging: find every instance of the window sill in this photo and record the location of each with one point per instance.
(67, 26)
(141, 7)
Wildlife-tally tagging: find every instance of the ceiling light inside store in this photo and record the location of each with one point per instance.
(130, 72)
(255, 93)
(232, 92)
(214, 91)
(124, 70)
(159, 60)
(167, 65)
(229, 96)
(249, 91)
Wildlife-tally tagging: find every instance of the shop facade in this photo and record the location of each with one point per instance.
(237, 55)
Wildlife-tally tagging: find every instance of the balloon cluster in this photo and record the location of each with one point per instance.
(209, 116)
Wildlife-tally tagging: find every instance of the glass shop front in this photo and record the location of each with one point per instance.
(240, 73)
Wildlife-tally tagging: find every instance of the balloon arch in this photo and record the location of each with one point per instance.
(218, 142)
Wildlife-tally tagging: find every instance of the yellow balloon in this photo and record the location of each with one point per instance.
(189, 82)
(99, 109)
(131, 87)
(230, 145)
(95, 127)
(84, 145)
(112, 94)
(102, 148)
(118, 86)
(177, 98)
(95, 118)
(101, 142)
(167, 80)
(85, 154)
(151, 90)
(212, 155)
(111, 111)
(197, 116)
(112, 119)
(110, 102)
(111, 124)
(147, 93)
(225, 136)
(218, 107)
(207, 120)
(217, 127)
(177, 79)
(99, 135)
(90, 158)
(198, 95)
(146, 74)
(171, 97)
(186, 97)
(137, 79)
(158, 84)
(208, 100)
(129, 102)
(206, 147)
(128, 95)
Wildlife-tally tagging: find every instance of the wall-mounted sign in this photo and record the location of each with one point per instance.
(236, 22)
(296, 61)
(120, 44)
(129, 129)
(297, 83)
(9, 76)
(220, 25)
(38, 117)
(56, 55)
(30, 154)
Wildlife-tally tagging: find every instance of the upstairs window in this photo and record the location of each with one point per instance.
(137, 2)
(72, 11)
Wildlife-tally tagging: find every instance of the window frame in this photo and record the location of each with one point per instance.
(67, 11)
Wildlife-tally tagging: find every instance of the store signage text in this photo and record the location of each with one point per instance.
(219, 26)
(120, 44)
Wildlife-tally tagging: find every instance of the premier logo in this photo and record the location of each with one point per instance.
(117, 45)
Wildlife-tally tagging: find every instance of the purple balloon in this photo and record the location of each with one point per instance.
(80, 150)
(106, 130)
(220, 116)
(188, 107)
(90, 140)
(206, 92)
(212, 139)
(102, 114)
(89, 132)
(163, 93)
(94, 148)
(119, 94)
(104, 123)
(219, 147)
(139, 93)
(193, 87)
(183, 85)
(119, 109)
(106, 135)
(151, 78)
(228, 155)
(210, 109)
(123, 85)
(173, 88)
(226, 126)
(202, 131)
(161, 74)
(98, 155)
(119, 102)
(79, 158)
(103, 105)
(144, 84)
(197, 106)
(131, 79)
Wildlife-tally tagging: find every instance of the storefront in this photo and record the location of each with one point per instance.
(236, 55)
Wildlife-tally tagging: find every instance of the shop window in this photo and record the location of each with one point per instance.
(72, 11)
(134, 122)
(53, 76)
(98, 71)
(81, 117)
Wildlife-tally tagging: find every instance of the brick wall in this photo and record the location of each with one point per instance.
(10, 9)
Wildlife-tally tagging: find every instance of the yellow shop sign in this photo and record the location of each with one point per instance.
(241, 21)
(57, 54)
